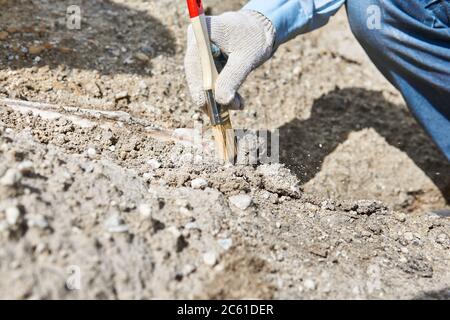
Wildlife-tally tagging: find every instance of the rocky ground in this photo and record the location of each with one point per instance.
(347, 213)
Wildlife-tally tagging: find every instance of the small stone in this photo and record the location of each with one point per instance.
(265, 195)
(241, 201)
(400, 217)
(199, 183)
(115, 224)
(210, 258)
(188, 269)
(4, 35)
(154, 164)
(185, 211)
(36, 220)
(142, 57)
(309, 284)
(442, 238)
(174, 231)
(11, 178)
(12, 215)
(145, 210)
(12, 29)
(35, 50)
(278, 225)
(225, 243)
(408, 236)
(26, 167)
(3, 226)
(128, 60)
(64, 50)
(122, 95)
(93, 89)
(191, 225)
(91, 152)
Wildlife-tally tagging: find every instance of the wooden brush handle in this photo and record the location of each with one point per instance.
(200, 28)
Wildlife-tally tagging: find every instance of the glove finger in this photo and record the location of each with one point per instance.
(231, 78)
(219, 32)
(238, 103)
(193, 70)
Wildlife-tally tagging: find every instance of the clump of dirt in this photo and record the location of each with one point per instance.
(104, 209)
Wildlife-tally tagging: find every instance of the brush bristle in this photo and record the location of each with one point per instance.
(225, 141)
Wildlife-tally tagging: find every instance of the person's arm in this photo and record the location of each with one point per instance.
(293, 17)
(249, 38)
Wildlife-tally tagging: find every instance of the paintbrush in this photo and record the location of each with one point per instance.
(219, 115)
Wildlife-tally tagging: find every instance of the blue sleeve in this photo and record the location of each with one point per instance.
(293, 17)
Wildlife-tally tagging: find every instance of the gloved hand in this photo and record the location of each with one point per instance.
(247, 38)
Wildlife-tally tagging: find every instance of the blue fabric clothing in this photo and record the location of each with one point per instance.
(409, 42)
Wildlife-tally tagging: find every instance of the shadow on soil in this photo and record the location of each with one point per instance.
(342, 111)
(108, 40)
(443, 294)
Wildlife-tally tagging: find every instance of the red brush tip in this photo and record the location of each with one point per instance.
(195, 8)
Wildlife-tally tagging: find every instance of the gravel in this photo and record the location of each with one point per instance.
(241, 201)
(199, 183)
(210, 258)
(115, 224)
(12, 215)
(11, 178)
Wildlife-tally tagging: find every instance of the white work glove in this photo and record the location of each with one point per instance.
(247, 38)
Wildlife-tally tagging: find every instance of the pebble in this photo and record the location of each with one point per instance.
(225, 243)
(400, 217)
(3, 226)
(185, 211)
(142, 57)
(37, 220)
(174, 231)
(91, 152)
(12, 215)
(26, 167)
(4, 35)
(278, 225)
(265, 195)
(199, 183)
(145, 210)
(11, 178)
(241, 201)
(309, 284)
(210, 258)
(148, 176)
(408, 236)
(154, 164)
(191, 225)
(115, 224)
(442, 238)
(121, 95)
(188, 269)
(35, 50)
